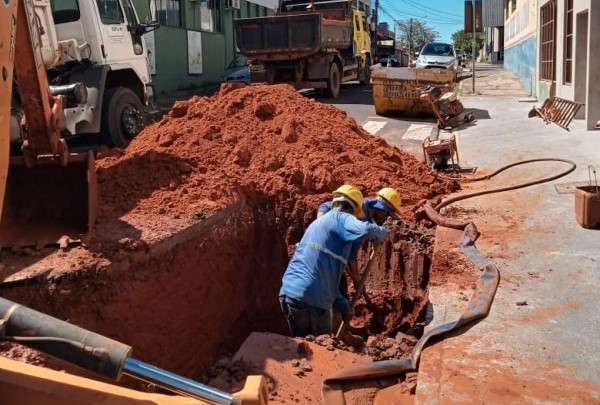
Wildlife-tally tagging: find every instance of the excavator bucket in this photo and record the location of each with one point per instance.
(49, 204)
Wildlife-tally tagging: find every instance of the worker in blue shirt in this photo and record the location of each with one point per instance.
(375, 209)
(310, 284)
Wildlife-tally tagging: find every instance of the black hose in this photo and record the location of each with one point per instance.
(507, 188)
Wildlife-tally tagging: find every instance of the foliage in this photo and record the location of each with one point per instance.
(414, 34)
(464, 41)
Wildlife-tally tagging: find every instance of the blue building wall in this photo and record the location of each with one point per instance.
(521, 59)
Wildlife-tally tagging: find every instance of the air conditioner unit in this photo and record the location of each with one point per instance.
(232, 4)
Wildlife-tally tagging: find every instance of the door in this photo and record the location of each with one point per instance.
(121, 43)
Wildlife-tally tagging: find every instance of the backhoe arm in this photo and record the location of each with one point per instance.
(8, 25)
(42, 111)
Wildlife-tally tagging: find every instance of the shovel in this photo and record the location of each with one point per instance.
(359, 290)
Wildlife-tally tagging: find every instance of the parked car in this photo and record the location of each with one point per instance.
(460, 60)
(238, 70)
(437, 55)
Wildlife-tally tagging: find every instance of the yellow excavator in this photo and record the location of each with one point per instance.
(43, 190)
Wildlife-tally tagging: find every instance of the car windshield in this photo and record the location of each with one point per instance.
(437, 49)
(239, 61)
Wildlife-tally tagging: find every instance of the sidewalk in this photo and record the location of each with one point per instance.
(539, 343)
(491, 80)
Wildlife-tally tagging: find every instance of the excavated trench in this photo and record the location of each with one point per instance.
(183, 274)
(190, 298)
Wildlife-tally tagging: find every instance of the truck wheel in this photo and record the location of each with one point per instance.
(333, 84)
(122, 116)
(367, 72)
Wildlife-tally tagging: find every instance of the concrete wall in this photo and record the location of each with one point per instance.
(520, 44)
(172, 60)
(592, 107)
(520, 58)
(562, 89)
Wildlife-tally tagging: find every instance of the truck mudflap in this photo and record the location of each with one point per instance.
(398, 90)
(49, 204)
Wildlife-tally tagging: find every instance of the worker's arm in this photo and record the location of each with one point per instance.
(324, 208)
(355, 230)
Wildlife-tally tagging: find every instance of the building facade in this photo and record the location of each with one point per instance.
(520, 41)
(196, 39)
(568, 58)
(551, 46)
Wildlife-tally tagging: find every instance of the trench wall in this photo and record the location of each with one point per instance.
(181, 308)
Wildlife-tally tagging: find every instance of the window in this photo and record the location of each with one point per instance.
(110, 12)
(210, 15)
(64, 11)
(547, 35)
(568, 58)
(169, 12)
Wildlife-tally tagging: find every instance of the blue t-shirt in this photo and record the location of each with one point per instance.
(314, 272)
(367, 203)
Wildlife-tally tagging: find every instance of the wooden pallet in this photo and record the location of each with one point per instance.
(558, 110)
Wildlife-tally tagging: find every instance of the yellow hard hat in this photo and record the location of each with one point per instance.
(392, 198)
(354, 195)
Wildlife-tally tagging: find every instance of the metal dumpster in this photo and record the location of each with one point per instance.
(397, 90)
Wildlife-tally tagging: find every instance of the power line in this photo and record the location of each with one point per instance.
(423, 7)
(434, 18)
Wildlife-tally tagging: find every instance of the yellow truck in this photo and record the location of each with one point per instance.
(316, 44)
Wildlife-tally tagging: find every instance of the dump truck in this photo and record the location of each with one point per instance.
(398, 90)
(81, 68)
(316, 44)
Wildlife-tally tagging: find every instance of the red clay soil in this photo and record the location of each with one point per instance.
(282, 153)
(258, 140)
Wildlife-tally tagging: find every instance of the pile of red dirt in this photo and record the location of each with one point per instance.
(260, 141)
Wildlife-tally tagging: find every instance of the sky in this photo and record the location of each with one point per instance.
(445, 16)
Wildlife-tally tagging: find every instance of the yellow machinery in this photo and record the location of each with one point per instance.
(21, 384)
(398, 90)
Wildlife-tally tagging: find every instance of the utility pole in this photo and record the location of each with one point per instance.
(376, 39)
(410, 40)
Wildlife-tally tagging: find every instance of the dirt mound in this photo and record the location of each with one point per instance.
(259, 141)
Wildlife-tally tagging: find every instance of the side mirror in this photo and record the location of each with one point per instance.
(145, 27)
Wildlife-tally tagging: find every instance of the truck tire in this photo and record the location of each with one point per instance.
(122, 116)
(334, 81)
(367, 72)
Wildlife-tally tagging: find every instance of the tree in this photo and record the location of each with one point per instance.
(464, 41)
(414, 34)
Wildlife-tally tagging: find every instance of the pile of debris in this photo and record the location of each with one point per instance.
(259, 141)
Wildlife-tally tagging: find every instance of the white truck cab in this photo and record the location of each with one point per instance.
(98, 43)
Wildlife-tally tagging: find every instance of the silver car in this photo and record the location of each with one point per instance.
(437, 55)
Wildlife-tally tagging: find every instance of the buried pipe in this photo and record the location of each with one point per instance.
(477, 308)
